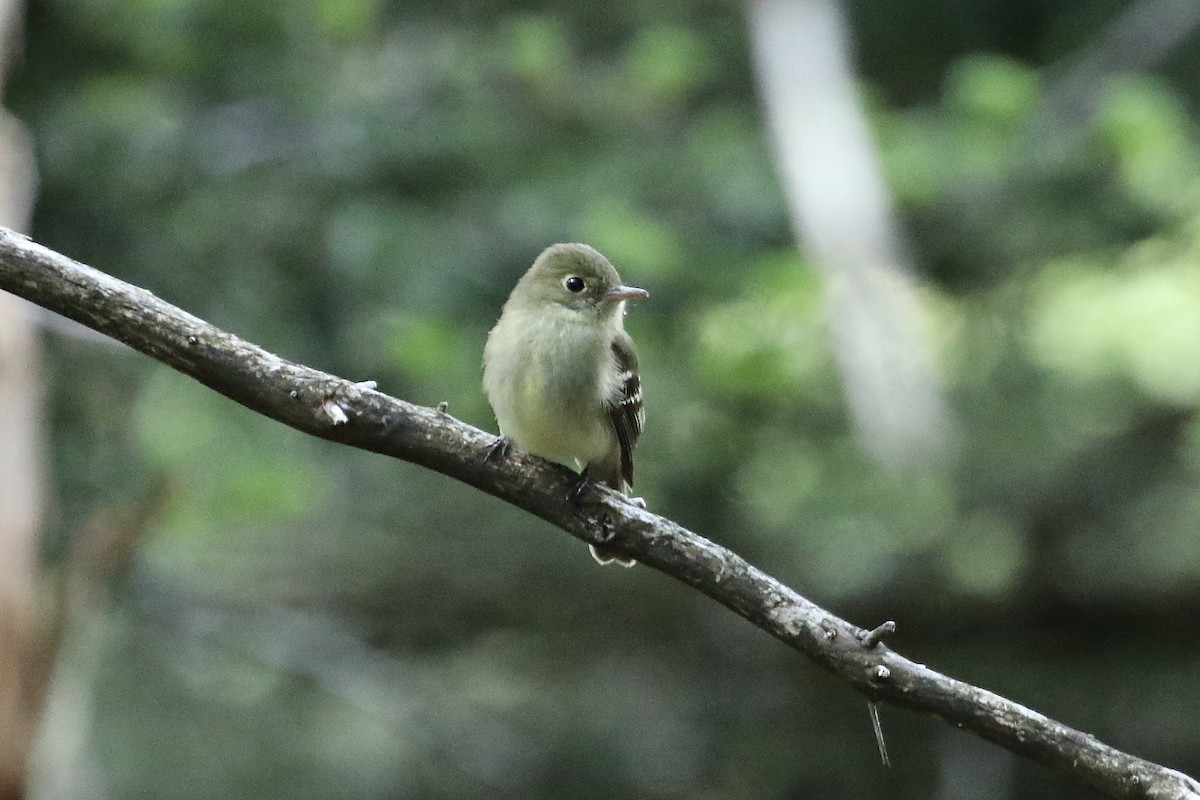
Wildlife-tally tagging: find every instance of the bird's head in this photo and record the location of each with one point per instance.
(577, 277)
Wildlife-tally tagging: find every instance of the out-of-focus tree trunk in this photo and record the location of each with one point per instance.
(22, 470)
(841, 213)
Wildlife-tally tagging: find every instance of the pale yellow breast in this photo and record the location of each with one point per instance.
(547, 381)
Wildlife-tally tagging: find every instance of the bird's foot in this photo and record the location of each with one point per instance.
(499, 449)
(579, 492)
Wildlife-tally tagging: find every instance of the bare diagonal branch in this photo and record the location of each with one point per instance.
(332, 408)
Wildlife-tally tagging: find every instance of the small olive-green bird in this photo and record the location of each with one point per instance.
(561, 373)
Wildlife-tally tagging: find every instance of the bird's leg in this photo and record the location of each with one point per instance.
(603, 555)
(583, 486)
(499, 449)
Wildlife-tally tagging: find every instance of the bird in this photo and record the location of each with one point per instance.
(561, 374)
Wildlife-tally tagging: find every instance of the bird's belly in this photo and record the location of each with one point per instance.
(546, 394)
(542, 424)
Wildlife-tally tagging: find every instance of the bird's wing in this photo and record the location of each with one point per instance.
(625, 408)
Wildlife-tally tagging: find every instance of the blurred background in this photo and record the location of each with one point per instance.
(967, 401)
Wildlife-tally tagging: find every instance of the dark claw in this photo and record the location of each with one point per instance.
(499, 450)
(581, 489)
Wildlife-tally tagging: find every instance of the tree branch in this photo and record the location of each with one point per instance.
(332, 408)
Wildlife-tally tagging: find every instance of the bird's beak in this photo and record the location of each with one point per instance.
(618, 293)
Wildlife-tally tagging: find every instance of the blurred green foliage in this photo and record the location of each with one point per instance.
(357, 185)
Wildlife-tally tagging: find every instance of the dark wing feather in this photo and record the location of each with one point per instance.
(625, 409)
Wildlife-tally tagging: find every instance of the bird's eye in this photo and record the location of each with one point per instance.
(573, 284)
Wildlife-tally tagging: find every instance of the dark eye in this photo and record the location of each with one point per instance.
(573, 284)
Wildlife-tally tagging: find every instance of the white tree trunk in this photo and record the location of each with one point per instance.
(841, 212)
